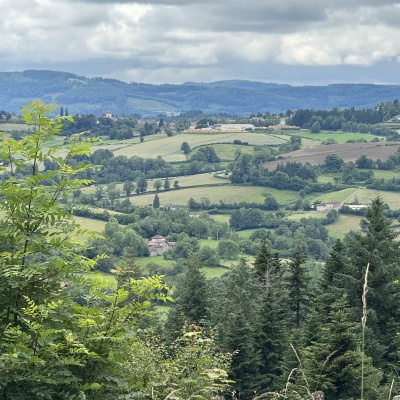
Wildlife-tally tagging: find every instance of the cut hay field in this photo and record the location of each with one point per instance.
(344, 225)
(339, 137)
(169, 148)
(7, 127)
(184, 181)
(306, 214)
(365, 196)
(340, 195)
(348, 152)
(226, 152)
(221, 217)
(214, 194)
(94, 225)
(380, 173)
(228, 194)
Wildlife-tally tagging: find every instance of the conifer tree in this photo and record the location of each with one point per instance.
(379, 248)
(266, 265)
(297, 286)
(234, 311)
(156, 201)
(334, 277)
(272, 337)
(332, 362)
(192, 294)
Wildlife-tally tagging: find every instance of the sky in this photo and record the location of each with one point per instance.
(307, 42)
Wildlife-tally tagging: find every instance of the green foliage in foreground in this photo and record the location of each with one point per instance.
(63, 336)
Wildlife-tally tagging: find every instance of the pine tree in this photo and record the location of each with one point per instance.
(234, 311)
(297, 286)
(271, 332)
(333, 361)
(266, 265)
(192, 294)
(379, 248)
(156, 201)
(167, 184)
(333, 279)
(272, 337)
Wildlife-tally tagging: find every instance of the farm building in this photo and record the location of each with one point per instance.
(324, 207)
(357, 207)
(158, 245)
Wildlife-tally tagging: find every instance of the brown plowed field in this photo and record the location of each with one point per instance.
(347, 151)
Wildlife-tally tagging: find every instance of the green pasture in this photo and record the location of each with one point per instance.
(326, 178)
(184, 181)
(340, 195)
(169, 148)
(191, 180)
(209, 242)
(90, 224)
(227, 151)
(246, 233)
(221, 217)
(214, 272)
(380, 173)
(210, 272)
(95, 276)
(142, 262)
(343, 225)
(215, 194)
(7, 127)
(306, 214)
(339, 137)
(365, 196)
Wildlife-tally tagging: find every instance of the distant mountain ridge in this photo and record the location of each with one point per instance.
(97, 95)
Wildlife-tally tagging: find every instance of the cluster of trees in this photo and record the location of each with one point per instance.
(348, 120)
(291, 175)
(121, 128)
(5, 116)
(299, 328)
(112, 168)
(361, 171)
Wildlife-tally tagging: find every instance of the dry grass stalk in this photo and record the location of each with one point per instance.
(363, 323)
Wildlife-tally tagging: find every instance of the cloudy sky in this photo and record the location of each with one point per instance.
(174, 41)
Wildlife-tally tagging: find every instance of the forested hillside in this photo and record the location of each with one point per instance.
(96, 95)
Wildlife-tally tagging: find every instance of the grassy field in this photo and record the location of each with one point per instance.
(228, 194)
(245, 234)
(7, 127)
(210, 272)
(380, 173)
(226, 152)
(339, 137)
(94, 225)
(306, 214)
(344, 225)
(365, 196)
(340, 195)
(184, 181)
(209, 242)
(169, 148)
(220, 217)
